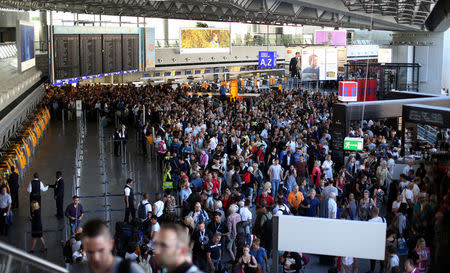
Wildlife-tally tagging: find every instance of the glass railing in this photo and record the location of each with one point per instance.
(17, 261)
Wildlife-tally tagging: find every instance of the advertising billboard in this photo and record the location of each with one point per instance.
(150, 48)
(205, 40)
(25, 45)
(319, 64)
(331, 37)
(267, 59)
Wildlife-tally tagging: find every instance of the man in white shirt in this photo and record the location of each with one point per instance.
(332, 206)
(275, 176)
(146, 206)
(158, 206)
(408, 195)
(245, 212)
(375, 218)
(34, 188)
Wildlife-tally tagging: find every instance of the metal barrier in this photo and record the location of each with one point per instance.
(16, 260)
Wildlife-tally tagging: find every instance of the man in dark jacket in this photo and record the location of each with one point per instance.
(59, 194)
(13, 182)
(295, 66)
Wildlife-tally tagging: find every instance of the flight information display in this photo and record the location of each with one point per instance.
(112, 53)
(130, 52)
(67, 56)
(91, 54)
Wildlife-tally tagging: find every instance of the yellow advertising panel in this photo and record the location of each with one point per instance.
(233, 89)
(204, 40)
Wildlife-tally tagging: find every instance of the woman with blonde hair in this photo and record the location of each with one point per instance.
(36, 227)
(424, 255)
(316, 173)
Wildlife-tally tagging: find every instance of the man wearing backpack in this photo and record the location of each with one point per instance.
(144, 208)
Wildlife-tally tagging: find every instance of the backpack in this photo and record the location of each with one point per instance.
(241, 227)
(67, 252)
(141, 211)
(161, 148)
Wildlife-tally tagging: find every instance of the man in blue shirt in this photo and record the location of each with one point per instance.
(311, 204)
(260, 254)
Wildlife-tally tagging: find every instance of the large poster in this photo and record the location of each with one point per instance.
(331, 37)
(205, 40)
(150, 48)
(319, 64)
(25, 45)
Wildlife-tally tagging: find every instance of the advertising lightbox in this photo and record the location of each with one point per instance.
(204, 40)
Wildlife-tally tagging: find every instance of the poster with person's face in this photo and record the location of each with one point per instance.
(319, 64)
(311, 60)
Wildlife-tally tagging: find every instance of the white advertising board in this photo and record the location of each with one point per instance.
(358, 239)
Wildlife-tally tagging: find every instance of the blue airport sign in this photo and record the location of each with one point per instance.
(267, 59)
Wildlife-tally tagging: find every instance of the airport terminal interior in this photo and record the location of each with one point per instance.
(282, 136)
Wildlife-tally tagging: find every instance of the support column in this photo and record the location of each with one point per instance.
(43, 33)
(166, 32)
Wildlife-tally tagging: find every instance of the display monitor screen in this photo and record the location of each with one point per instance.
(25, 45)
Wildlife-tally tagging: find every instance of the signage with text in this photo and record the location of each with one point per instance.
(267, 59)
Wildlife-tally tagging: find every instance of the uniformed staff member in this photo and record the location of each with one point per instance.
(35, 187)
(129, 201)
(59, 194)
(13, 182)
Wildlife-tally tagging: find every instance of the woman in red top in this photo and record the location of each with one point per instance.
(226, 199)
(316, 173)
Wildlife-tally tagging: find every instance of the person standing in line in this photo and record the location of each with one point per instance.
(36, 227)
(275, 176)
(74, 212)
(332, 206)
(116, 141)
(129, 201)
(172, 250)
(13, 182)
(5, 210)
(59, 194)
(35, 187)
(123, 136)
(98, 245)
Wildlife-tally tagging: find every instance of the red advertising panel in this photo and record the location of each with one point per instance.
(370, 90)
(348, 91)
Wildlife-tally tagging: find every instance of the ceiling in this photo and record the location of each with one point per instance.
(406, 15)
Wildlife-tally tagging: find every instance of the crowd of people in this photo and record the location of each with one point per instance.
(230, 166)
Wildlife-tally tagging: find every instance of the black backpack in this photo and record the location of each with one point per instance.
(141, 211)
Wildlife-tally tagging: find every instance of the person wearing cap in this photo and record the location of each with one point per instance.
(214, 253)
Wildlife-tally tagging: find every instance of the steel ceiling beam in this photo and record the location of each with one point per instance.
(313, 12)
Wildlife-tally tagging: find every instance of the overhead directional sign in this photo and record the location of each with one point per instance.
(353, 144)
(267, 59)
